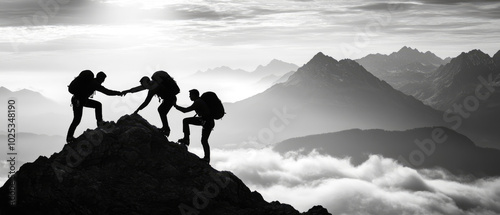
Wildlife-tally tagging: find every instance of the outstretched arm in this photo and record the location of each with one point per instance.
(146, 101)
(186, 109)
(108, 91)
(135, 89)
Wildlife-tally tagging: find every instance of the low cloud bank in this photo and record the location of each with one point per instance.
(377, 186)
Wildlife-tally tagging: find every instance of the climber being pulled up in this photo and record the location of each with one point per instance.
(202, 118)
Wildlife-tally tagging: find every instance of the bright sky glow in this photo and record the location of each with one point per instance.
(189, 36)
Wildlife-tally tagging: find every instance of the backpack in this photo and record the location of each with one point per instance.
(81, 85)
(168, 86)
(214, 105)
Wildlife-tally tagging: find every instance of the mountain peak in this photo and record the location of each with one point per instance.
(224, 69)
(474, 57)
(408, 49)
(275, 61)
(459, 75)
(409, 53)
(275, 67)
(319, 55)
(321, 59)
(4, 90)
(29, 92)
(324, 71)
(130, 167)
(20, 92)
(397, 63)
(474, 52)
(29, 95)
(413, 52)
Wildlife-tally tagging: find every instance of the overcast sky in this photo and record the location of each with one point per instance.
(135, 36)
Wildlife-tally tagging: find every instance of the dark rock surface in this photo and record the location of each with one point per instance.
(130, 168)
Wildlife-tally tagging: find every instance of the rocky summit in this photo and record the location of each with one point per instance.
(128, 167)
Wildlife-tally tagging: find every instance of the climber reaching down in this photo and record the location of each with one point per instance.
(165, 87)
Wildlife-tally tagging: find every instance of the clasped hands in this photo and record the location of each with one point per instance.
(123, 93)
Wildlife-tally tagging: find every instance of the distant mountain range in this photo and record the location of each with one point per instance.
(453, 82)
(450, 87)
(43, 104)
(269, 73)
(467, 90)
(237, 83)
(416, 148)
(275, 68)
(438, 83)
(36, 113)
(325, 95)
(402, 67)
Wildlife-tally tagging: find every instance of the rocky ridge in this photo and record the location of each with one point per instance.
(128, 167)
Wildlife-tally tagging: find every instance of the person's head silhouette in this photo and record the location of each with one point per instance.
(100, 77)
(194, 94)
(145, 82)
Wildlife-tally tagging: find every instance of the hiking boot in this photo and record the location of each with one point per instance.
(183, 146)
(101, 123)
(184, 141)
(206, 160)
(70, 140)
(164, 131)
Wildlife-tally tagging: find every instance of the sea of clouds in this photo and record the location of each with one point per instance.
(377, 186)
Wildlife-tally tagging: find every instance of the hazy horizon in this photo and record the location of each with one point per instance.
(61, 96)
(129, 39)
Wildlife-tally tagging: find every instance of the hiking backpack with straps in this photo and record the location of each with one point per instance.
(214, 105)
(81, 85)
(168, 86)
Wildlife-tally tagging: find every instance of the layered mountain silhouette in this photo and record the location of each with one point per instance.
(284, 78)
(402, 67)
(37, 112)
(456, 80)
(43, 104)
(325, 95)
(468, 87)
(238, 83)
(223, 72)
(273, 70)
(131, 168)
(275, 67)
(441, 148)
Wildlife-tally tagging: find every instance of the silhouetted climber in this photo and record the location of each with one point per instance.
(202, 118)
(83, 87)
(165, 87)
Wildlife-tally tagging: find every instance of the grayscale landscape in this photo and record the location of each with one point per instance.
(331, 107)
